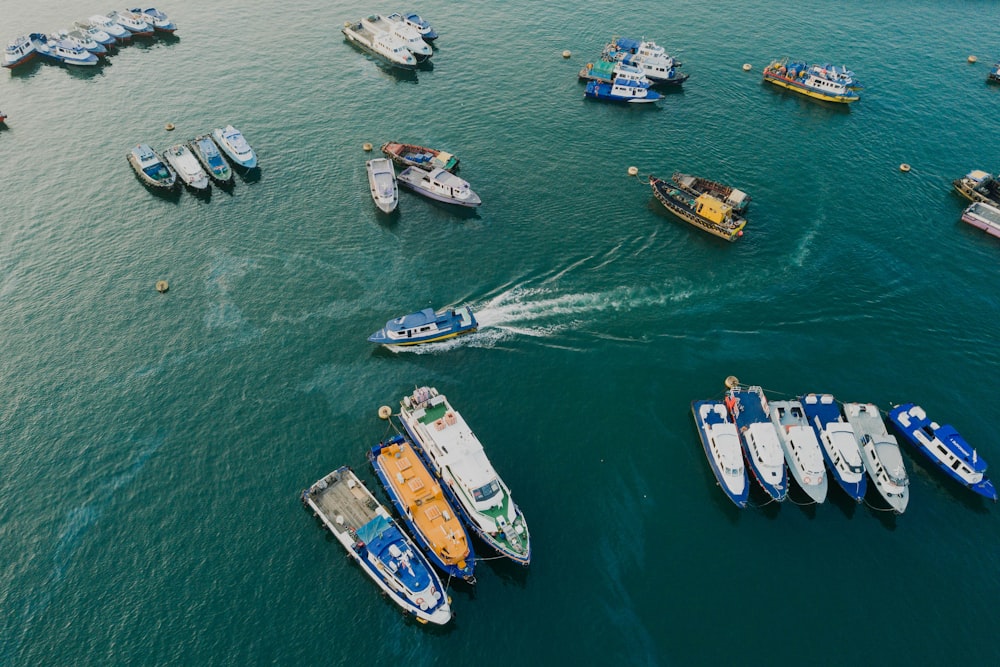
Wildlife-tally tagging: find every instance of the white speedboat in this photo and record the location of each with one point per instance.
(837, 441)
(721, 442)
(469, 480)
(65, 52)
(426, 30)
(395, 24)
(186, 165)
(440, 185)
(382, 182)
(110, 26)
(881, 454)
(802, 452)
(383, 45)
(232, 142)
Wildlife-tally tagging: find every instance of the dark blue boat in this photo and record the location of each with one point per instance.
(621, 90)
(944, 446)
(761, 448)
(721, 442)
(426, 326)
(838, 443)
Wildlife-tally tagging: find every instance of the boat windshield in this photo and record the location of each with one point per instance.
(486, 491)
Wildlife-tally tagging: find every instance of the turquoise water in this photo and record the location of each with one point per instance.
(154, 446)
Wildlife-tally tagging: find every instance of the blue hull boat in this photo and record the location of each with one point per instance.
(944, 446)
(628, 91)
(836, 439)
(761, 448)
(426, 326)
(721, 442)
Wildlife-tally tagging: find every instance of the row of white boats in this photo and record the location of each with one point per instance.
(438, 477)
(196, 162)
(813, 438)
(401, 40)
(89, 40)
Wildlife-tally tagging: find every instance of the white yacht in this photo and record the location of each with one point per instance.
(420, 49)
(881, 454)
(186, 165)
(382, 182)
(802, 452)
(383, 45)
(457, 458)
(440, 185)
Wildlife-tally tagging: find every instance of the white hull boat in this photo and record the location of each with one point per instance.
(801, 448)
(440, 185)
(189, 171)
(382, 183)
(881, 454)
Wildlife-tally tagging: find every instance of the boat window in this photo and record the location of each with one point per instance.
(956, 464)
(943, 450)
(486, 491)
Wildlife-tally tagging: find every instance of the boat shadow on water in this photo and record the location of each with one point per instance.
(172, 195)
(252, 175)
(807, 102)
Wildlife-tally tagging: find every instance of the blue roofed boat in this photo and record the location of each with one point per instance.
(994, 74)
(426, 326)
(211, 159)
(721, 442)
(369, 535)
(63, 51)
(761, 448)
(621, 90)
(944, 446)
(648, 56)
(427, 32)
(157, 19)
(838, 443)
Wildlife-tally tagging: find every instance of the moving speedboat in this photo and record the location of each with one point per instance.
(235, 146)
(211, 159)
(881, 453)
(440, 185)
(802, 451)
(944, 446)
(423, 506)
(426, 326)
(456, 457)
(375, 542)
(150, 168)
(22, 50)
(836, 439)
(721, 442)
(761, 447)
(382, 183)
(190, 173)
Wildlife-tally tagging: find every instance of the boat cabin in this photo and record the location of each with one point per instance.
(712, 209)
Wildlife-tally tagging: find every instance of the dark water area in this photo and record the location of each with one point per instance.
(154, 445)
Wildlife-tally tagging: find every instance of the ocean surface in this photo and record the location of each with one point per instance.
(153, 446)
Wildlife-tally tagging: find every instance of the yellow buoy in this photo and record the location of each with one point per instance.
(732, 381)
(162, 286)
(384, 412)
(566, 53)
(747, 67)
(904, 167)
(169, 126)
(973, 59)
(367, 146)
(633, 171)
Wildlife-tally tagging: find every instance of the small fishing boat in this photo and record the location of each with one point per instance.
(232, 142)
(420, 49)
(64, 51)
(423, 507)
(944, 446)
(375, 542)
(426, 326)
(439, 185)
(704, 211)
(211, 159)
(111, 26)
(151, 170)
(97, 34)
(607, 72)
(880, 450)
(798, 77)
(382, 183)
(802, 451)
(411, 155)
(157, 19)
(456, 456)
(836, 439)
(761, 446)
(721, 442)
(994, 74)
(383, 45)
(19, 52)
(186, 166)
(984, 216)
(649, 57)
(427, 32)
(133, 22)
(695, 186)
(621, 90)
(978, 185)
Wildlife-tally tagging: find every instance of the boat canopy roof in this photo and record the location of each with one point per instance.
(978, 175)
(373, 531)
(711, 208)
(425, 316)
(627, 44)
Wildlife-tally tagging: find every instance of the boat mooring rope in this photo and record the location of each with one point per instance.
(479, 558)
(878, 509)
(811, 502)
(761, 506)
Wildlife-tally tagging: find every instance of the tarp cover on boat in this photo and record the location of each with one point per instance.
(372, 531)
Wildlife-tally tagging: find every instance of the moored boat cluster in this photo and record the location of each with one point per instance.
(813, 439)
(627, 71)
(400, 40)
(436, 474)
(90, 40)
(195, 163)
(429, 172)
